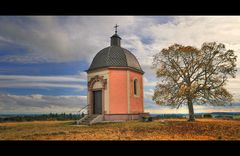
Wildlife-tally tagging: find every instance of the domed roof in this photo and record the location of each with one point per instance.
(115, 56)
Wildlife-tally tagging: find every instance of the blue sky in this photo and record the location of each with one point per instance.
(43, 58)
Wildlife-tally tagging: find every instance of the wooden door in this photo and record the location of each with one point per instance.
(97, 102)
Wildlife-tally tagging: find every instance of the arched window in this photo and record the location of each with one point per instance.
(135, 85)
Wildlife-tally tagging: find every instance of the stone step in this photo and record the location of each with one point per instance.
(88, 119)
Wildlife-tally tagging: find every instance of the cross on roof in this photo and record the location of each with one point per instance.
(116, 28)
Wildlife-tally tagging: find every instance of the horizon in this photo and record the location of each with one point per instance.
(43, 58)
(29, 114)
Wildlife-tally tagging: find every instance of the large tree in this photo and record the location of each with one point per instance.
(188, 75)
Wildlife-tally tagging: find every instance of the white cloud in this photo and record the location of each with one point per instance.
(148, 83)
(59, 39)
(80, 37)
(194, 31)
(41, 103)
(72, 78)
(21, 81)
(148, 94)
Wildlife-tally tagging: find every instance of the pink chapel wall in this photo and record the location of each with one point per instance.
(121, 92)
(136, 101)
(118, 101)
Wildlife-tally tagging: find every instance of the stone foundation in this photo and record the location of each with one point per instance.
(112, 117)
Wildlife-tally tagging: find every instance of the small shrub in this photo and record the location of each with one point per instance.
(147, 118)
(236, 117)
(207, 116)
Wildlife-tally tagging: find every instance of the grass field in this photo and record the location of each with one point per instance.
(165, 129)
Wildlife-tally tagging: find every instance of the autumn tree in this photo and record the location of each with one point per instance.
(188, 75)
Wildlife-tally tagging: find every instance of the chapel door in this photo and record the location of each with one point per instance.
(97, 102)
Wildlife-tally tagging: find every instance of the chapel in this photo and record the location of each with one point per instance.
(115, 84)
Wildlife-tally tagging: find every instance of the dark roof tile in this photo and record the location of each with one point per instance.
(115, 56)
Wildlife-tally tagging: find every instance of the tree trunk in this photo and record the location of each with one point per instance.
(190, 109)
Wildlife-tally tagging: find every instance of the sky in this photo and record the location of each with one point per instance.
(43, 58)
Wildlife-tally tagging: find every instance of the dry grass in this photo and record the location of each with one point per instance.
(167, 129)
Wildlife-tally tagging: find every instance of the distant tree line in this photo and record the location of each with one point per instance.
(43, 117)
(201, 115)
